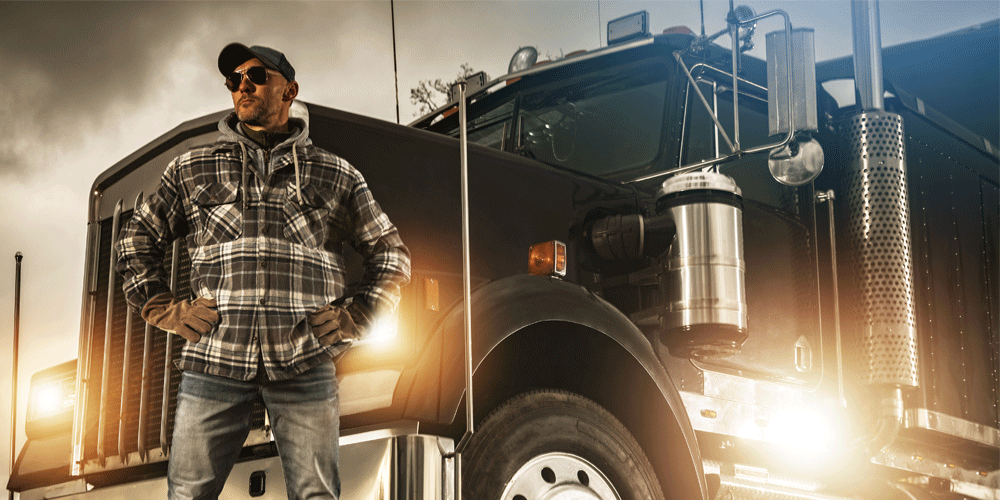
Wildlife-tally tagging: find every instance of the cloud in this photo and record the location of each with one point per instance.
(20, 118)
(75, 69)
(66, 63)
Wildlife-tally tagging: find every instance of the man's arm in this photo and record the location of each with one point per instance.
(144, 237)
(386, 258)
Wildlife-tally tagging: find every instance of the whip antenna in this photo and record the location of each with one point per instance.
(702, 4)
(395, 71)
(13, 391)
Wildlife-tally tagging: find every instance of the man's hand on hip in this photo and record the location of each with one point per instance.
(332, 324)
(187, 318)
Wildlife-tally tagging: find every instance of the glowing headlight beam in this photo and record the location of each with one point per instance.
(49, 398)
(383, 331)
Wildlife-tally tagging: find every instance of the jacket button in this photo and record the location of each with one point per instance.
(263, 264)
(263, 301)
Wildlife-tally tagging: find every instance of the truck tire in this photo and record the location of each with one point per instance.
(555, 444)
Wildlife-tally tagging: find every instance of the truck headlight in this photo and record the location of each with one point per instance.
(811, 437)
(807, 430)
(51, 400)
(384, 330)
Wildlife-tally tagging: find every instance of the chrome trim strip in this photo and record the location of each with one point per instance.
(88, 308)
(126, 359)
(370, 433)
(175, 260)
(102, 412)
(922, 418)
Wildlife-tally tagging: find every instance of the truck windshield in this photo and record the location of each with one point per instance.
(601, 124)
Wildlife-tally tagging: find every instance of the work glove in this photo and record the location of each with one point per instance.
(333, 324)
(187, 318)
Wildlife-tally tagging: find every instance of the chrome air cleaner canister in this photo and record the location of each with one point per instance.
(704, 299)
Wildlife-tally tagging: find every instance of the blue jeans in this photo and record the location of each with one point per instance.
(213, 420)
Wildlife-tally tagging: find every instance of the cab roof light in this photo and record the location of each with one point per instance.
(678, 30)
(628, 27)
(547, 259)
(523, 59)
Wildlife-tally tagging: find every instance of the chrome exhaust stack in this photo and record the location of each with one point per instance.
(879, 232)
(878, 206)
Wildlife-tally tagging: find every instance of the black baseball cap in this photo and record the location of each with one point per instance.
(236, 54)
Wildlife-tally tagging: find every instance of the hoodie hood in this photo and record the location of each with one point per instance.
(298, 123)
(299, 127)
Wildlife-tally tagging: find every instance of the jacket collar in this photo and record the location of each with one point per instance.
(231, 135)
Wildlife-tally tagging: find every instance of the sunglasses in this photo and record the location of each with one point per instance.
(256, 74)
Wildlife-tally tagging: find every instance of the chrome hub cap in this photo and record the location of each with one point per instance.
(559, 476)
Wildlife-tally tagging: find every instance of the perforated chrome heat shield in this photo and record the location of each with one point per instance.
(878, 216)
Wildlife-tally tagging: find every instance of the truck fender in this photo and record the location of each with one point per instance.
(506, 306)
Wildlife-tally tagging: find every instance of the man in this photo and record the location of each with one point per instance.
(264, 214)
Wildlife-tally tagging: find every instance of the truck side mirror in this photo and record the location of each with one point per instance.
(791, 106)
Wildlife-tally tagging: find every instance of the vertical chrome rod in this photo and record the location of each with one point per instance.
(175, 261)
(13, 385)
(734, 33)
(828, 196)
(466, 261)
(867, 54)
(715, 111)
(461, 87)
(102, 418)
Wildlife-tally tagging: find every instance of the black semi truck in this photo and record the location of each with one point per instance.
(694, 274)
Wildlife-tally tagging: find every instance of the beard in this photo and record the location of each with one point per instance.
(253, 114)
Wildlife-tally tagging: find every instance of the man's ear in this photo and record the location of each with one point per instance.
(291, 91)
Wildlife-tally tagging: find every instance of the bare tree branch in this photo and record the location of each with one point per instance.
(428, 93)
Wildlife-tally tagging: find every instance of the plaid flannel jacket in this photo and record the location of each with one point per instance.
(268, 257)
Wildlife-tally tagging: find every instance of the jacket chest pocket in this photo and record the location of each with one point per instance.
(306, 223)
(219, 217)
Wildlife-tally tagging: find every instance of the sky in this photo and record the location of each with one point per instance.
(86, 84)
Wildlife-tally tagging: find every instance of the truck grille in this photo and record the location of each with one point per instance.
(137, 428)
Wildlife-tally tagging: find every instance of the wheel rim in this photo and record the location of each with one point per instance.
(559, 476)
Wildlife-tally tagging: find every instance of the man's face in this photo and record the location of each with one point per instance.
(261, 106)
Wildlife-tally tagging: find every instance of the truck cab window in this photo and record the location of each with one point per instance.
(489, 124)
(600, 124)
(490, 129)
(702, 142)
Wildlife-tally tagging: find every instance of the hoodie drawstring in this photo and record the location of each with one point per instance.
(243, 178)
(298, 185)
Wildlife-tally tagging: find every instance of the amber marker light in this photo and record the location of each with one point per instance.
(547, 259)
